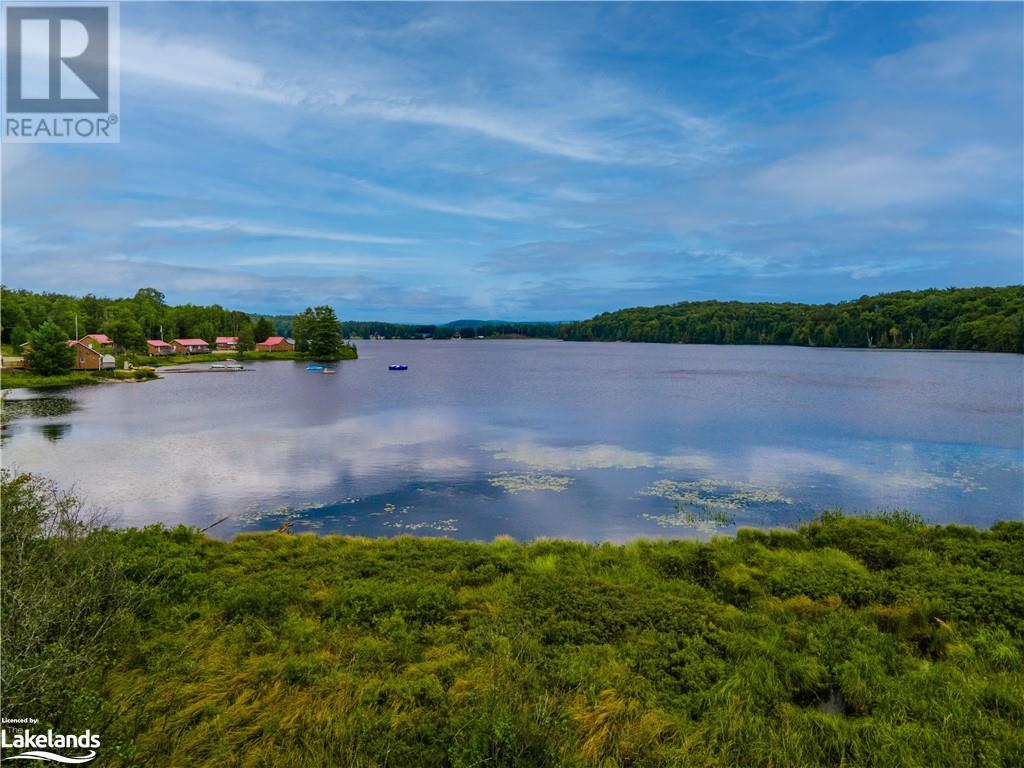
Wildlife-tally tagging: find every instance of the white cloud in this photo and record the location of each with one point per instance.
(233, 226)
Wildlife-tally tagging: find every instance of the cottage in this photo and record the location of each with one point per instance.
(190, 346)
(87, 358)
(158, 347)
(227, 342)
(97, 340)
(276, 344)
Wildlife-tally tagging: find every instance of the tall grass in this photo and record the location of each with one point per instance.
(852, 642)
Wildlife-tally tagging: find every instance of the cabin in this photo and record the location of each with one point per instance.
(276, 344)
(190, 346)
(89, 359)
(97, 340)
(158, 347)
(227, 342)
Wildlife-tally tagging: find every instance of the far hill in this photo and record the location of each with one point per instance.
(985, 319)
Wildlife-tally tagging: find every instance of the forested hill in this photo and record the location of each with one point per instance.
(988, 319)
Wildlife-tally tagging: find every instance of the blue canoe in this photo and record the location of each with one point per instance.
(398, 367)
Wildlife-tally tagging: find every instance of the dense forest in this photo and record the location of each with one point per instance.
(147, 315)
(875, 641)
(989, 319)
(129, 321)
(365, 329)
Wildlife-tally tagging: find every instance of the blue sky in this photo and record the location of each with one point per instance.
(431, 162)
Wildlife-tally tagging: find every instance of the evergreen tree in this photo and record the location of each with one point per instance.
(263, 329)
(50, 354)
(325, 335)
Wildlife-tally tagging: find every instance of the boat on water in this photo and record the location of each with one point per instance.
(328, 370)
(398, 367)
(218, 367)
(314, 367)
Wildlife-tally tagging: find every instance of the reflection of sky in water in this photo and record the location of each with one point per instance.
(542, 439)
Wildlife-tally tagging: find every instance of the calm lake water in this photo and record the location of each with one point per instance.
(542, 438)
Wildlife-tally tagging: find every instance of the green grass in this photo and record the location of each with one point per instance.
(20, 379)
(851, 642)
(347, 353)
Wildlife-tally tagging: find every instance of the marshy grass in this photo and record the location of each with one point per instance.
(851, 642)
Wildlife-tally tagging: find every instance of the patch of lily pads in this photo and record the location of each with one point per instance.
(530, 482)
(708, 504)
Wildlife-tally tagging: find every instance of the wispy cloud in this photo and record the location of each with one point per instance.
(423, 162)
(254, 229)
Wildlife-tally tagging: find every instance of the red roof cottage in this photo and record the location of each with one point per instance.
(97, 340)
(227, 342)
(190, 346)
(276, 344)
(158, 347)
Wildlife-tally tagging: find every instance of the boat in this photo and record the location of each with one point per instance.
(218, 367)
(314, 367)
(398, 367)
(328, 370)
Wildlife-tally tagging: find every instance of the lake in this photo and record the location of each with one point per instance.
(541, 438)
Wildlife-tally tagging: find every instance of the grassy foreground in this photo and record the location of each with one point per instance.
(22, 379)
(851, 642)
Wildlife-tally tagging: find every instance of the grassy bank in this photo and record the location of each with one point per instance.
(20, 379)
(850, 642)
(24, 378)
(347, 353)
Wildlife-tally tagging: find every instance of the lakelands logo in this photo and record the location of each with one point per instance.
(61, 81)
(41, 746)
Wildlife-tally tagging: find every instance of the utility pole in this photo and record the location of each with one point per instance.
(76, 328)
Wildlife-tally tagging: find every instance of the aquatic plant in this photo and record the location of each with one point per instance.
(530, 482)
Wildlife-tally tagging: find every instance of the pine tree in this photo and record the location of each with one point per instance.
(50, 354)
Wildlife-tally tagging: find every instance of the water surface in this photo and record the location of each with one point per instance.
(542, 438)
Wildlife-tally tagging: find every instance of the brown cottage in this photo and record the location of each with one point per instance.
(86, 358)
(190, 346)
(158, 347)
(276, 344)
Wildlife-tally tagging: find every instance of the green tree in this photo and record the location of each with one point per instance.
(263, 329)
(325, 338)
(50, 354)
(125, 330)
(302, 329)
(246, 339)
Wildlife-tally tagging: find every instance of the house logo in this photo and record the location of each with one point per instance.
(61, 75)
(50, 747)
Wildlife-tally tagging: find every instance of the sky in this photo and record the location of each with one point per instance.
(424, 163)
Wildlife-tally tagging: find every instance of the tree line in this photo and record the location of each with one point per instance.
(986, 319)
(47, 320)
(129, 321)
